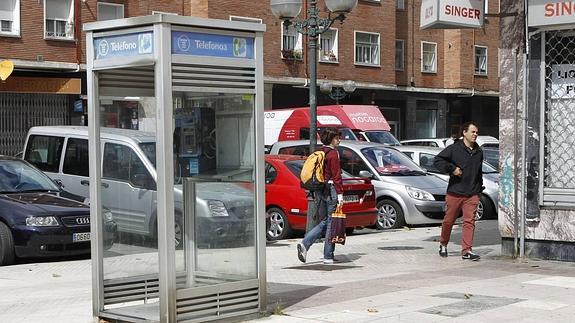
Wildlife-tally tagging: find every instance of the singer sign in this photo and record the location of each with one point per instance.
(451, 14)
(550, 12)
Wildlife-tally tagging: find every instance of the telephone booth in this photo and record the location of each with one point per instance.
(176, 149)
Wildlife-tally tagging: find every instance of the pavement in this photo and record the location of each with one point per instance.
(389, 276)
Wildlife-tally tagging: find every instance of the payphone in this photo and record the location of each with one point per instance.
(195, 140)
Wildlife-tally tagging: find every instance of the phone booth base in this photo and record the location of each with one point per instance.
(176, 161)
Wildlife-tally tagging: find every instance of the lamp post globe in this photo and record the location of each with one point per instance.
(286, 9)
(349, 86)
(325, 87)
(340, 6)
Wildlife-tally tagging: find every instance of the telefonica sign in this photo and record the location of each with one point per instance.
(451, 14)
(550, 12)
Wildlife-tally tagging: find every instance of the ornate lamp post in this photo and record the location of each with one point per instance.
(338, 92)
(313, 26)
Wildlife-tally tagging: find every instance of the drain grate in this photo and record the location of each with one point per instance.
(400, 248)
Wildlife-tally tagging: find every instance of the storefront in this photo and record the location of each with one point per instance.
(537, 120)
(27, 100)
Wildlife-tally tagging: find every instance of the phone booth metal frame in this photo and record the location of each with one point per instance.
(118, 65)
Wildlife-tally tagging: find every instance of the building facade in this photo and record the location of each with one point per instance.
(537, 185)
(427, 82)
(44, 40)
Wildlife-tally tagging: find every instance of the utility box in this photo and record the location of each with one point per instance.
(176, 159)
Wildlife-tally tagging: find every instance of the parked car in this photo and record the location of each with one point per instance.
(223, 211)
(405, 193)
(286, 201)
(37, 221)
(491, 156)
(487, 208)
(482, 141)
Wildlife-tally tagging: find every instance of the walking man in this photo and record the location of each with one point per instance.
(463, 160)
(328, 199)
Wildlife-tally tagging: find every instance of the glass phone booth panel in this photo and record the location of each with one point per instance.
(214, 164)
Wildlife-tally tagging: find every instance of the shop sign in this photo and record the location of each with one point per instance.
(124, 45)
(451, 14)
(202, 44)
(55, 85)
(563, 81)
(550, 12)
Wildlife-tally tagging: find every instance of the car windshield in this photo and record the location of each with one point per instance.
(390, 162)
(382, 137)
(295, 166)
(18, 177)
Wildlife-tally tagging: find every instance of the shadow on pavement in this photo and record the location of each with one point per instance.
(285, 295)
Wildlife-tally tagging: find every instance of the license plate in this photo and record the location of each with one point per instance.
(81, 237)
(350, 198)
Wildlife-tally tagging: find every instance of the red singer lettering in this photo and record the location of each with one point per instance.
(464, 12)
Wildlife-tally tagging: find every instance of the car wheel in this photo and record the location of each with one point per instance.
(389, 215)
(484, 209)
(278, 227)
(6, 246)
(178, 233)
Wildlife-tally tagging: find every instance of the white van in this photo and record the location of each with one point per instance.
(128, 167)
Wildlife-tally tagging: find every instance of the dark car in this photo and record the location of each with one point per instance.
(36, 220)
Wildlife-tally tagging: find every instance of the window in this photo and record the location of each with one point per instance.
(408, 153)
(121, 163)
(328, 46)
(426, 162)
(59, 19)
(109, 11)
(246, 19)
(297, 150)
(366, 48)
(291, 43)
(271, 174)
(428, 57)
(10, 17)
(480, 60)
(400, 4)
(399, 56)
(44, 152)
(351, 162)
(76, 158)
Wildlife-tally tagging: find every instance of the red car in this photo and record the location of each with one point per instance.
(286, 201)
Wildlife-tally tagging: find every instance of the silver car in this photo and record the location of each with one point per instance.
(406, 194)
(487, 208)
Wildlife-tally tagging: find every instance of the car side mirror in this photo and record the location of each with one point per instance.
(365, 174)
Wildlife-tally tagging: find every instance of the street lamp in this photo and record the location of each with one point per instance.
(313, 26)
(338, 92)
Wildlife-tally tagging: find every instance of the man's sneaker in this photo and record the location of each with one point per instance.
(301, 252)
(470, 256)
(328, 261)
(443, 251)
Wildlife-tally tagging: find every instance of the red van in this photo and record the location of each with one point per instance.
(356, 122)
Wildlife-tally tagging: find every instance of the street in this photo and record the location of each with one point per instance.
(389, 276)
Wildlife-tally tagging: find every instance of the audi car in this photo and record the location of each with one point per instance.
(37, 220)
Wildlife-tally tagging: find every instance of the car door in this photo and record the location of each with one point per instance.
(75, 170)
(128, 189)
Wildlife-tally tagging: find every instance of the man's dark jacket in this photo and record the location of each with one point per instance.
(470, 161)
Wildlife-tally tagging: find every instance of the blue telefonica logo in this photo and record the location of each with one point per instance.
(201, 44)
(124, 45)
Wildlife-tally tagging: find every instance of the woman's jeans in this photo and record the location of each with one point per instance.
(327, 203)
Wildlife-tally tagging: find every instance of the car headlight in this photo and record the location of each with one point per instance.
(108, 216)
(217, 208)
(418, 194)
(42, 221)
